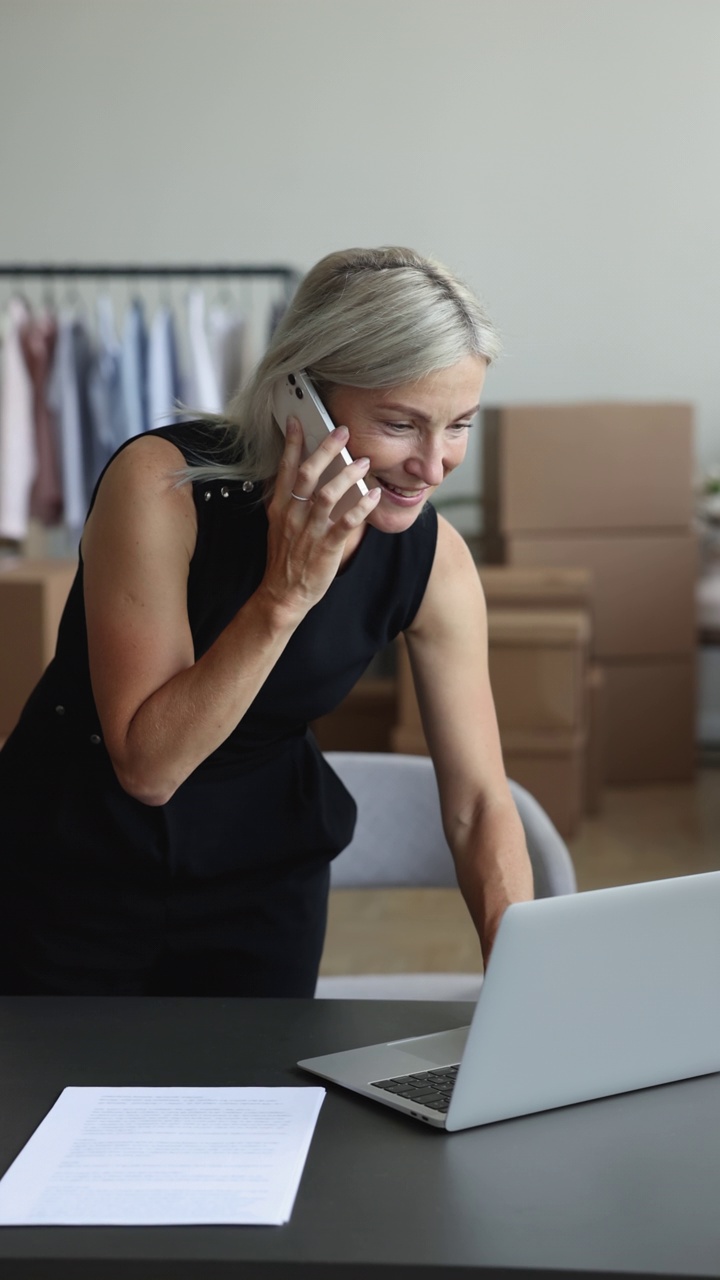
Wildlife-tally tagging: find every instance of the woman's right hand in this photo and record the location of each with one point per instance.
(306, 547)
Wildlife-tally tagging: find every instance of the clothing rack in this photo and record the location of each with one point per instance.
(97, 404)
(287, 276)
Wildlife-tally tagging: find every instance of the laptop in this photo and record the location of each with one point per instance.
(585, 996)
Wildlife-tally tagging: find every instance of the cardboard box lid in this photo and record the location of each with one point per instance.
(511, 585)
(583, 467)
(556, 628)
(19, 569)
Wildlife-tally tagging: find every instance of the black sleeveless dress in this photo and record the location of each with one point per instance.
(223, 890)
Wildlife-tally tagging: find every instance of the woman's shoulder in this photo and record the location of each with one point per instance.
(148, 460)
(453, 566)
(140, 484)
(454, 590)
(165, 454)
(452, 548)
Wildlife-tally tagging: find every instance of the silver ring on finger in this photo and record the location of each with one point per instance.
(297, 497)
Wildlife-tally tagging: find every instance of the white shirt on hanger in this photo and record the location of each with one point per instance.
(163, 374)
(204, 392)
(229, 341)
(17, 428)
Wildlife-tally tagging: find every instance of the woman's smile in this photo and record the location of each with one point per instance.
(405, 497)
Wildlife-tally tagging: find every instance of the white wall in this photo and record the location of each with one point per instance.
(561, 154)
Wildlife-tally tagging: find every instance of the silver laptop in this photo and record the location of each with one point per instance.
(585, 996)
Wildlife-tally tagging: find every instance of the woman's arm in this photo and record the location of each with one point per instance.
(447, 643)
(162, 712)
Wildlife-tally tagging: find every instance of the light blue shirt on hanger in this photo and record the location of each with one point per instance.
(134, 369)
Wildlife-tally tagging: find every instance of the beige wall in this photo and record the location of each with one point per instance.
(562, 154)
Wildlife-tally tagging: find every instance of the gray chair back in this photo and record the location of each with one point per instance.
(399, 839)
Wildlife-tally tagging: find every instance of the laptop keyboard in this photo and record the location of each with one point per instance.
(431, 1088)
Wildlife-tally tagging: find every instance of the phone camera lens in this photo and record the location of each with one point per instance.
(298, 393)
(291, 379)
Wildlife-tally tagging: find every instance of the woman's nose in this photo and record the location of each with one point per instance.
(428, 464)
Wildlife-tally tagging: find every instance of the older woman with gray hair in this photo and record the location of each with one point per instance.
(168, 819)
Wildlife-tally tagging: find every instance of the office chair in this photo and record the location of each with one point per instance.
(399, 842)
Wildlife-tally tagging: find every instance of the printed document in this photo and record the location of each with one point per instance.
(163, 1156)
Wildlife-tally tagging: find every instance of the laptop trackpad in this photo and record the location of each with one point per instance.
(441, 1049)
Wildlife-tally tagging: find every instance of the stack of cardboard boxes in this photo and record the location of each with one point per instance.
(549, 694)
(539, 631)
(609, 488)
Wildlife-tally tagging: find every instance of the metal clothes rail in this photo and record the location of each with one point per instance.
(288, 277)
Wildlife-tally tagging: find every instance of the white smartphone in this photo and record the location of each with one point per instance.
(295, 396)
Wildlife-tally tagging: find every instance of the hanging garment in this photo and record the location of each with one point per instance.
(17, 427)
(38, 338)
(229, 341)
(163, 370)
(69, 399)
(134, 369)
(204, 391)
(277, 312)
(107, 402)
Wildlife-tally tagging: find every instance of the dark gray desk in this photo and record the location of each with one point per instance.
(629, 1185)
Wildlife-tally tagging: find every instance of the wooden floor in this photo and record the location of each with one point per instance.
(642, 833)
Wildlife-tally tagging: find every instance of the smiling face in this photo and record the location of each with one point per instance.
(414, 435)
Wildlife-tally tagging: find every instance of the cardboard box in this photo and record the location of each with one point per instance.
(583, 467)
(643, 588)
(407, 740)
(32, 598)
(596, 748)
(410, 740)
(521, 587)
(538, 664)
(651, 711)
(552, 767)
(363, 722)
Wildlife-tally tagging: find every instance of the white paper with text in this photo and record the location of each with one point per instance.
(163, 1156)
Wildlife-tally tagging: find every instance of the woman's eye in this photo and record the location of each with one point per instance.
(460, 426)
(399, 426)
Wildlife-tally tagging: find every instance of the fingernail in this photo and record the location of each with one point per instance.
(341, 432)
(291, 426)
(363, 462)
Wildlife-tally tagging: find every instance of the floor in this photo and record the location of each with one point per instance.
(642, 833)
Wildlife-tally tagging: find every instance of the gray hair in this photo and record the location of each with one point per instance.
(359, 318)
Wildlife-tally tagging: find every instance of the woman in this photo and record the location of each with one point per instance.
(168, 818)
